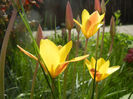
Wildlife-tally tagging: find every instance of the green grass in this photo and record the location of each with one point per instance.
(19, 70)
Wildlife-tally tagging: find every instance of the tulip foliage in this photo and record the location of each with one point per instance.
(88, 73)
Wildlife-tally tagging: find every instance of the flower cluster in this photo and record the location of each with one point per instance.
(129, 56)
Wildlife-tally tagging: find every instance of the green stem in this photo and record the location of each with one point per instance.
(97, 43)
(102, 42)
(111, 46)
(85, 50)
(86, 42)
(59, 87)
(65, 72)
(33, 81)
(74, 68)
(3, 52)
(69, 35)
(96, 90)
(94, 85)
(53, 88)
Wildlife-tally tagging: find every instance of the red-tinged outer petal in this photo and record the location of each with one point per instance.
(78, 58)
(98, 6)
(39, 35)
(27, 53)
(60, 69)
(69, 17)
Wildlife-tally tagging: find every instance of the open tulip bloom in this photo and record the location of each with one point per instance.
(90, 23)
(54, 56)
(102, 71)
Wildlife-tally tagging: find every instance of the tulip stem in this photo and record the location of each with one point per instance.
(3, 52)
(102, 42)
(59, 87)
(69, 35)
(96, 90)
(74, 68)
(85, 50)
(94, 81)
(33, 81)
(111, 46)
(86, 42)
(65, 72)
(97, 43)
(53, 88)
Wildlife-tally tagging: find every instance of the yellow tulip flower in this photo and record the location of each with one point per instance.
(90, 23)
(54, 56)
(102, 71)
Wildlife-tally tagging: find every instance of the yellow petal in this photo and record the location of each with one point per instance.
(93, 62)
(101, 17)
(88, 64)
(49, 53)
(63, 52)
(100, 62)
(59, 47)
(87, 26)
(60, 69)
(112, 69)
(94, 18)
(27, 53)
(85, 16)
(92, 30)
(77, 23)
(103, 69)
(84, 31)
(103, 76)
(78, 58)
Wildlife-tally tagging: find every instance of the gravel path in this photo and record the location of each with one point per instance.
(128, 29)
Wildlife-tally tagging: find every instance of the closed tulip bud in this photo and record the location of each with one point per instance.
(103, 7)
(112, 27)
(69, 17)
(39, 34)
(77, 26)
(97, 6)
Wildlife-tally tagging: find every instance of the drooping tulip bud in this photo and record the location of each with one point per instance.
(103, 6)
(39, 34)
(112, 27)
(69, 17)
(98, 6)
(77, 26)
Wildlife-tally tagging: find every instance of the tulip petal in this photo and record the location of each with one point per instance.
(94, 18)
(49, 53)
(100, 62)
(77, 23)
(104, 68)
(93, 62)
(63, 52)
(112, 69)
(92, 30)
(103, 76)
(101, 17)
(85, 16)
(88, 63)
(78, 58)
(27, 53)
(60, 68)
